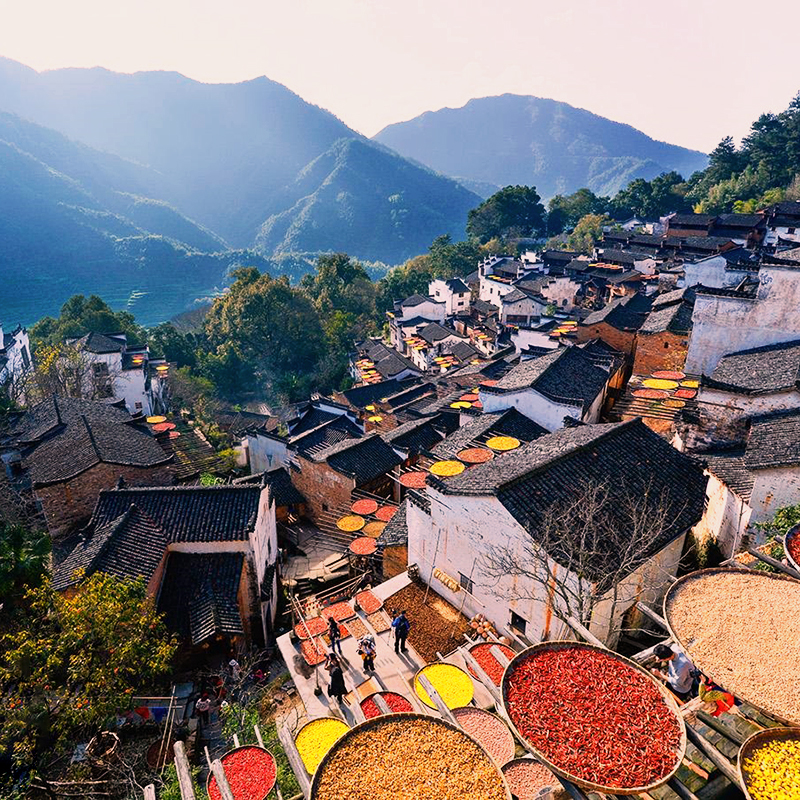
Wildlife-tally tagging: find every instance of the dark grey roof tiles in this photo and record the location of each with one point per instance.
(187, 513)
(457, 286)
(395, 534)
(99, 343)
(361, 396)
(730, 467)
(624, 313)
(199, 594)
(364, 460)
(627, 458)
(676, 318)
(129, 546)
(328, 433)
(761, 370)
(566, 374)
(774, 441)
(62, 437)
(415, 436)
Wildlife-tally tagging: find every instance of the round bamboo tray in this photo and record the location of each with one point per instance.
(267, 786)
(308, 725)
(578, 781)
(415, 683)
(676, 587)
(794, 533)
(756, 741)
(376, 722)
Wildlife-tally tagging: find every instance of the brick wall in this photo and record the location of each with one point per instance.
(656, 351)
(69, 504)
(321, 485)
(624, 341)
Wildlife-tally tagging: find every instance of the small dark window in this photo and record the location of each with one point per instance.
(666, 345)
(518, 623)
(466, 583)
(790, 230)
(324, 506)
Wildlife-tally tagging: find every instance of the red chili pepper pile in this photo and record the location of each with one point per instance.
(793, 546)
(593, 716)
(368, 602)
(482, 653)
(396, 702)
(251, 773)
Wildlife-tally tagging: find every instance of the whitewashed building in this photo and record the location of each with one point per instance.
(15, 355)
(549, 388)
(455, 524)
(122, 372)
(453, 292)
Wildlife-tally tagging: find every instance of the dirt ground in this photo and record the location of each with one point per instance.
(437, 626)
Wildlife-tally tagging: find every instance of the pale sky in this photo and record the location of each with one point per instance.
(685, 71)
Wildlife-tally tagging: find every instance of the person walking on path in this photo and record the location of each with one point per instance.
(203, 707)
(366, 649)
(401, 627)
(337, 688)
(334, 635)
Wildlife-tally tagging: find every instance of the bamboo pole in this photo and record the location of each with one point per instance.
(583, 632)
(184, 773)
(222, 781)
(719, 761)
(150, 792)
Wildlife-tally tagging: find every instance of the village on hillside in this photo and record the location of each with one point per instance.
(547, 473)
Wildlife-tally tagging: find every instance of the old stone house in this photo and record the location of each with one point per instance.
(617, 323)
(207, 554)
(663, 339)
(67, 450)
(455, 524)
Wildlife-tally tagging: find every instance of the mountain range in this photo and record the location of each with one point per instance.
(493, 142)
(149, 188)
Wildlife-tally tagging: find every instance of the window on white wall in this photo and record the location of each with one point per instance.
(466, 583)
(518, 623)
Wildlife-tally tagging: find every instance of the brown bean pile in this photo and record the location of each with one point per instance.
(410, 758)
(743, 631)
(435, 626)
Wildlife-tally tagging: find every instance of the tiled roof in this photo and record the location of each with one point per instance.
(364, 460)
(415, 436)
(563, 256)
(729, 466)
(738, 220)
(187, 513)
(361, 396)
(681, 220)
(395, 534)
(496, 423)
(281, 488)
(563, 375)
(388, 362)
(514, 296)
(62, 437)
(199, 594)
(485, 307)
(434, 332)
(415, 300)
(627, 458)
(762, 370)
(612, 256)
(774, 441)
(675, 318)
(99, 343)
(457, 286)
(309, 418)
(408, 395)
(129, 546)
(625, 276)
(624, 313)
(328, 433)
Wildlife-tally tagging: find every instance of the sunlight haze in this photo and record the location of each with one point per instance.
(375, 62)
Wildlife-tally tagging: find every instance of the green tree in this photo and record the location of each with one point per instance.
(587, 233)
(77, 660)
(272, 327)
(167, 341)
(80, 315)
(515, 211)
(24, 556)
(565, 211)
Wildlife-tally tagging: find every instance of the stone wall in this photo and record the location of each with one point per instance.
(624, 341)
(323, 487)
(656, 351)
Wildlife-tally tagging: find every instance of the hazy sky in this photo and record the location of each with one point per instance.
(686, 71)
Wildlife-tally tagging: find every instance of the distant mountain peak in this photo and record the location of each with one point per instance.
(522, 139)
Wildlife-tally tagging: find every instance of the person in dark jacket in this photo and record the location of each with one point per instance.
(401, 627)
(337, 688)
(334, 635)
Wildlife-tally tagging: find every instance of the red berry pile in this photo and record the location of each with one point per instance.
(250, 771)
(396, 702)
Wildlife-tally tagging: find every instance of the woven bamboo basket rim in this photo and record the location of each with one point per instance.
(422, 669)
(793, 533)
(680, 583)
(222, 758)
(749, 746)
(395, 717)
(576, 779)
